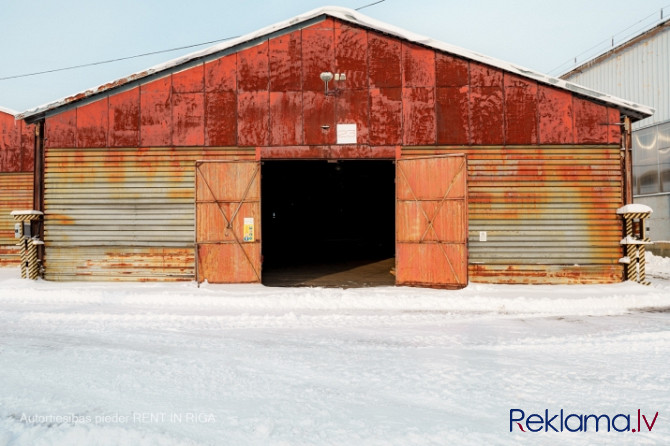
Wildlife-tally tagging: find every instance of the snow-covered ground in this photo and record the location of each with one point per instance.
(173, 364)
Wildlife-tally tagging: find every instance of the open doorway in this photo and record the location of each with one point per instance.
(328, 223)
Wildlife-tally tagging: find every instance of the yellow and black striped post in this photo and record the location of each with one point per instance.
(635, 244)
(30, 265)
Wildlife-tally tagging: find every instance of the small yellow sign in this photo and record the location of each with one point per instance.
(248, 230)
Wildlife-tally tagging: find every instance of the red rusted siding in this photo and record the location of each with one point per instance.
(124, 119)
(453, 115)
(318, 54)
(591, 126)
(286, 118)
(286, 63)
(221, 118)
(27, 147)
(221, 102)
(61, 129)
(93, 124)
(188, 107)
(351, 55)
(156, 113)
(486, 104)
(452, 95)
(10, 144)
(614, 127)
(555, 112)
(271, 95)
(385, 116)
(16, 145)
(520, 110)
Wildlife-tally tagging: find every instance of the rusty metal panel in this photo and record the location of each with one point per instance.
(542, 214)
(520, 110)
(156, 113)
(253, 68)
(61, 129)
(432, 221)
(221, 74)
(93, 124)
(27, 147)
(486, 106)
(351, 55)
(385, 61)
(451, 71)
(353, 107)
(419, 119)
(16, 192)
(485, 76)
(119, 263)
(253, 118)
(385, 116)
(591, 126)
(124, 119)
(191, 80)
(227, 197)
(221, 118)
(614, 128)
(123, 214)
(453, 115)
(188, 115)
(318, 54)
(286, 62)
(418, 66)
(319, 116)
(10, 143)
(556, 123)
(286, 118)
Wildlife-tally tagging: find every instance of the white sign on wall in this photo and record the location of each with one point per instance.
(346, 133)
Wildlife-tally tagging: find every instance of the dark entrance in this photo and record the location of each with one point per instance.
(328, 223)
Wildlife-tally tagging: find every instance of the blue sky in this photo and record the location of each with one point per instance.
(44, 34)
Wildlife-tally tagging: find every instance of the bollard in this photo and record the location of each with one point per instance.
(635, 243)
(30, 265)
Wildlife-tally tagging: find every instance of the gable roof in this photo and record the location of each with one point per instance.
(631, 109)
(8, 111)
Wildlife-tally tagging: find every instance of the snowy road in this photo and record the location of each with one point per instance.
(171, 364)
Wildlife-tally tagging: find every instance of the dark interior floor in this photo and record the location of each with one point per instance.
(351, 274)
(328, 223)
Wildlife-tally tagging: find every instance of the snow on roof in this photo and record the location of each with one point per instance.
(8, 111)
(348, 15)
(634, 208)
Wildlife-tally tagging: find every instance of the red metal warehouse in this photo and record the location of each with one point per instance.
(332, 134)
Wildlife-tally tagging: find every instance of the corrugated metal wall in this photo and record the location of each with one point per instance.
(16, 192)
(549, 213)
(638, 72)
(122, 214)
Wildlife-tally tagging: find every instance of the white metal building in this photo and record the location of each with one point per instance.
(639, 70)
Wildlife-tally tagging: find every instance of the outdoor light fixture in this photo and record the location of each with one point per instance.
(326, 77)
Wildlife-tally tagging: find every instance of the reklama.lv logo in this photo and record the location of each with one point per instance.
(573, 422)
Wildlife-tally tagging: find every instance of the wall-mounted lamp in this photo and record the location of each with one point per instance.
(326, 77)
